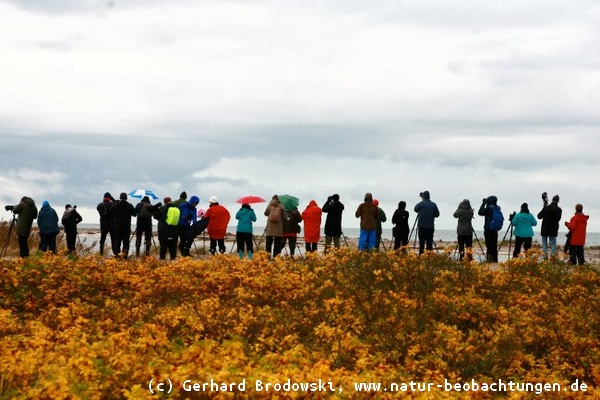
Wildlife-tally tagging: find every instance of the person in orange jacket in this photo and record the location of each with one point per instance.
(312, 225)
(577, 229)
(217, 225)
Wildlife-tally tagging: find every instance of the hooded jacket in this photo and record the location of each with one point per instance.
(487, 210)
(218, 219)
(187, 210)
(464, 213)
(577, 226)
(312, 222)
(245, 216)
(27, 212)
(274, 228)
(333, 222)
(47, 220)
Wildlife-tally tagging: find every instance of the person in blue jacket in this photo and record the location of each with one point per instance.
(427, 211)
(48, 225)
(523, 223)
(245, 216)
(187, 217)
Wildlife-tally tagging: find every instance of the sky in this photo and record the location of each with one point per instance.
(464, 99)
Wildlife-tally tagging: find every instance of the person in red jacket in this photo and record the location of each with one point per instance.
(217, 225)
(312, 225)
(577, 228)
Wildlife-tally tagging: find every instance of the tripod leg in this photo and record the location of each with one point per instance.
(345, 241)
(7, 241)
(232, 244)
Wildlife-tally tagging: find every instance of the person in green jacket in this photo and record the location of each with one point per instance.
(523, 223)
(26, 212)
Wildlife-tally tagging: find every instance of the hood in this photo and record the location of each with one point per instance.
(312, 203)
(194, 199)
(492, 200)
(28, 201)
(465, 204)
(582, 216)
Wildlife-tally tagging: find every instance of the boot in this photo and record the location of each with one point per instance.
(250, 255)
(241, 253)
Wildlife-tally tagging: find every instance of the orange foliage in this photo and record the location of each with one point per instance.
(103, 328)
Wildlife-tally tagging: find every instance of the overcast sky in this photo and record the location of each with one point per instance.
(464, 98)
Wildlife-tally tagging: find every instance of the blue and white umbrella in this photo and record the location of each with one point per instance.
(141, 193)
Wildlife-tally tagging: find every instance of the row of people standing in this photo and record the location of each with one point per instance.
(47, 220)
(521, 225)
(179, 222)
(283, 225)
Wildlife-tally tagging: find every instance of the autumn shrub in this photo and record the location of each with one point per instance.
(102, 328)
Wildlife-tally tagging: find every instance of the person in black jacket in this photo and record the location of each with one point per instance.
(122, 212)
(550, 216)
(144, 211)
(401, 229)
(107, 220)
(70, 219)
(333, 223)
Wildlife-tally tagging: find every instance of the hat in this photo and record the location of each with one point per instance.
(183, 195)
(146, 199)
(107, 195)
(213, 199)
(556, 198)
(167, 200)
(336, 197)
(376, 202)
(123, 196)
(425, 195)
(368, 196)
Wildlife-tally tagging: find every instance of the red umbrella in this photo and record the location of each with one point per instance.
(250, 199)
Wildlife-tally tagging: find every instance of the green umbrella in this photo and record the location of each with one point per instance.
(289, 202)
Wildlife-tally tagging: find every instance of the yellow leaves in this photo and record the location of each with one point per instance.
(99, 329)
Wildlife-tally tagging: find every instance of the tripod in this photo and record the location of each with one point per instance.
(510, 228)
(412, 230)
(7, 240)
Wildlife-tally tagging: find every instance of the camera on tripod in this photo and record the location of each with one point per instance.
(512, 215)
(9, 208)
(545, 198)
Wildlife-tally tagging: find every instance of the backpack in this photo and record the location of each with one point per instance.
(275, 214)
(497, 218)
(145, 211)
(173, 214)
